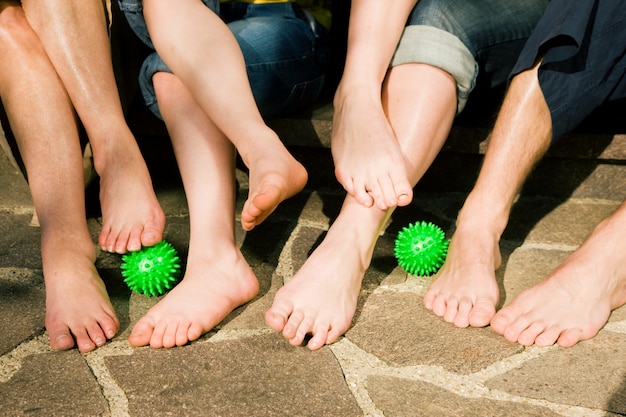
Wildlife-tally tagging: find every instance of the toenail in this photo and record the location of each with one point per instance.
(61, 336)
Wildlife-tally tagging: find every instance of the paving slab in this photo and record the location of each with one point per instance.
(590, 375)
(53, 384)
(398, 397)
(260, 376)
(397, 359)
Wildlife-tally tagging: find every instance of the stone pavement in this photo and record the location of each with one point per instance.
(396, 360)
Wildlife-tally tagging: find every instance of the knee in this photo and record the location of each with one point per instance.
(16, 35)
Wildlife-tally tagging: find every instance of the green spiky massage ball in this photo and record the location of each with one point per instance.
(421, 248)
(152, 270)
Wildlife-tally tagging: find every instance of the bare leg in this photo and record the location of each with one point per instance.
(575, 301)
(74, 34)
(368, 158)
(77, 305)
(465, 291)
(217, 278)
(223, 92)
(321, 298)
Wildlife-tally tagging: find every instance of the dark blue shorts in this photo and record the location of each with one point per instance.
(582, 45)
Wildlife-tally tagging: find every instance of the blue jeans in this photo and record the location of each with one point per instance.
(467, 38)
(285, 50)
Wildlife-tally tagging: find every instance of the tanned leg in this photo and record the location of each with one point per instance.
(74, 34)
(78, 310)
(217, 278)
(420, 102)
(465, 291)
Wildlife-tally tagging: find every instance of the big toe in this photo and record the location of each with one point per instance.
(482, 313)
(60, 338)
(152, 234)
(141, 334)
(275, 320)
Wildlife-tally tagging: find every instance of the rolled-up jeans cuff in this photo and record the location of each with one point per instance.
(151, 66)
(429, 45)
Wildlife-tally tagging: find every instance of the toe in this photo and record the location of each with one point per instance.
(141, 334)
(60, 338)
(276, 317)
(319, 339)
(292, 325)
(451, 311)
(572, 336)
(481, 313)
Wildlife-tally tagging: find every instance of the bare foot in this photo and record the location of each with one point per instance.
(465, 291)
(575, 301)
(210, 290)
(274, 176)
(321, 298)
(131, 214)
(368, 159)
(78, 309)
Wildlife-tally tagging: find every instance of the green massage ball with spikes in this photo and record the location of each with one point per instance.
(152, 270)
(421, 248)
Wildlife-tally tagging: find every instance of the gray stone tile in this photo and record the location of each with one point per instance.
(601, 183)
(396, 328)
(578, 178)
(526, 267)
(19, 242)
(22, 307)
(401, 397)
(53, 384)
(260, 376)
(591, 374)
(15, 192)
(556, 223)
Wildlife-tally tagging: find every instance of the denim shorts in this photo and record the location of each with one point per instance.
(582, 45)
(286, 52)
(467, 37)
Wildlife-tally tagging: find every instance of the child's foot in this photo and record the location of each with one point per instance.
(321, 298)
(210, 290)
(274, 177)
(575, 301)
(131, 214)
(465, 291)
(368, 159)
(78, 309)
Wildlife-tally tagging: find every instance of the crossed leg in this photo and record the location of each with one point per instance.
(74, 35)
(212, 68)
(320, 300)
(218, 278)
(78, 310)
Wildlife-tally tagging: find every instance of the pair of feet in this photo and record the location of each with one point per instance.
(215, 282)
(572, 304)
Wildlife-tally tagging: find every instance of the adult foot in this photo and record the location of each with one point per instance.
(210, 290)
(465, 291)
(131, 214)
(321, 298)
(574, 302)
(78, 310)
(274, 176)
